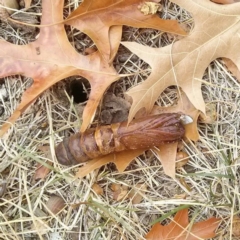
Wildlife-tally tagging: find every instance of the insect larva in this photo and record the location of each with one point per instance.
(143, 133)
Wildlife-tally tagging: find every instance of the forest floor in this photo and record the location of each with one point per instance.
(208, 183)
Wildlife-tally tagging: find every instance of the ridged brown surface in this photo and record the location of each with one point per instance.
(142, 133)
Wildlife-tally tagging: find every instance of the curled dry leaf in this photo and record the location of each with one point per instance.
(41, 171)
(149, 7)
(120, 191)
(55, 204)
(211, 114)
(180, 229)
(97, 189)
(135, 194)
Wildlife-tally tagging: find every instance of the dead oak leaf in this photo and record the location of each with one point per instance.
(50, 59)
(183, 63)
(121, 160)
(167, 156)
(180, 229)
(96, 19)
(150, 8)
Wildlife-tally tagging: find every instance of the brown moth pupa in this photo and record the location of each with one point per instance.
(142, 133)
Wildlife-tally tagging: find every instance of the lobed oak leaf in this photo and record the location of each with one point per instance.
(180, 229)
(121, 160)
(115, 13)
(50, 59)
(183, 63)
(167, 156)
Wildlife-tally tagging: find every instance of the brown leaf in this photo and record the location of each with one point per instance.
(135, 194)
(97, 189)
(111, 13)
(183, 63)
(41, 171)
(120, 191)
(50, 59)
(121, 160)
(180, 229)
(167, 156)
(211, 114)
(149, 7)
